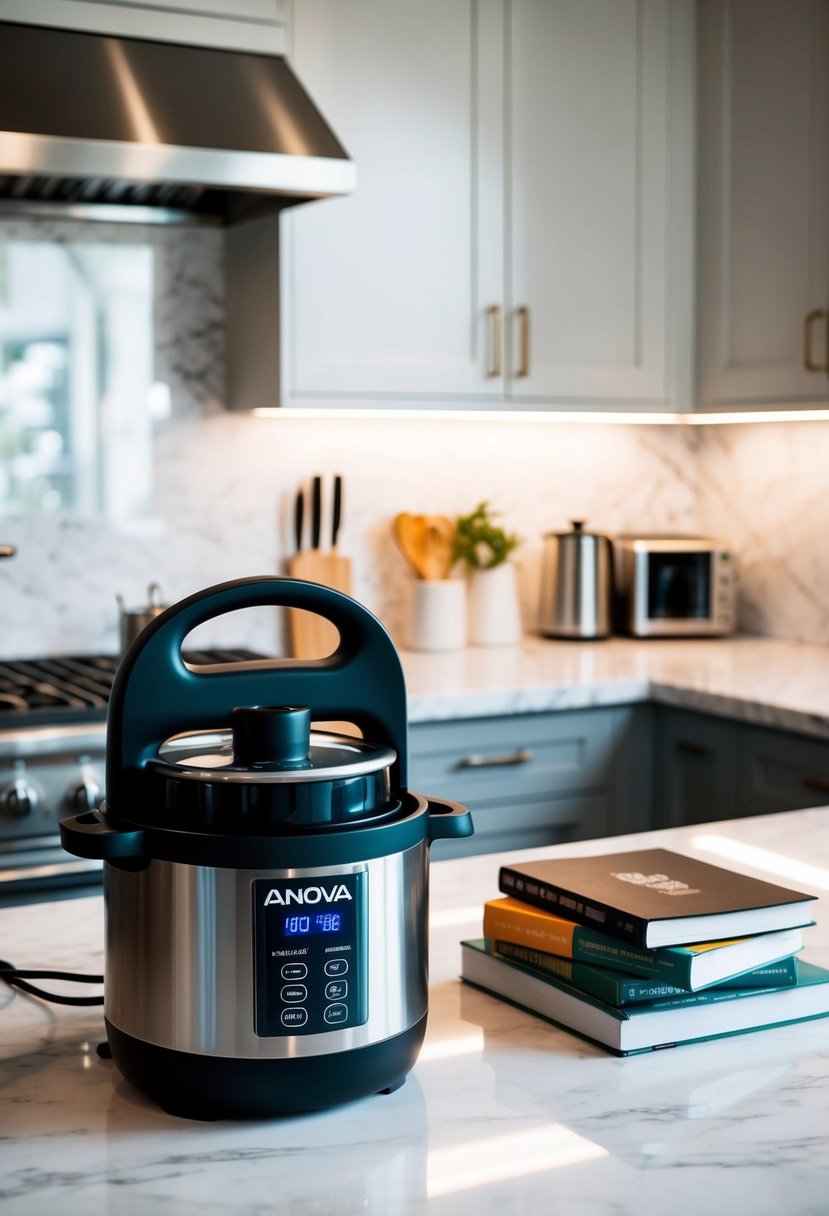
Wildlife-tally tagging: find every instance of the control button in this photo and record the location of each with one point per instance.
(336, 966)
(295, 1016)
(336, 990)
(294, 992)
(335, 1014)
(294, 971)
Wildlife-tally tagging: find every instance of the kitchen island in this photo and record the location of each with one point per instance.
(503, 1113)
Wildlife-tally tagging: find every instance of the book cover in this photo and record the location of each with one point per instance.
(647, 1027)
(782, 974)
(654, 897)
(690, 967)
(617, 988)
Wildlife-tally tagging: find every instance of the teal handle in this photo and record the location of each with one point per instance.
(155, 695)
(89, 835)
(448, 820)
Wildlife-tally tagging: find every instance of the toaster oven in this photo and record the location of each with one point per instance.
(673, 586)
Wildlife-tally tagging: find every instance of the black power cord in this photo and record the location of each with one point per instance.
(15, 977)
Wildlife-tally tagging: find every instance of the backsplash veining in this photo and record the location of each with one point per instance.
(765, 486)
(224, 483)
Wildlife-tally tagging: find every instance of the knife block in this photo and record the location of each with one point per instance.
(312, 636)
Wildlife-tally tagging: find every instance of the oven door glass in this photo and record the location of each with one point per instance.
(679, 586)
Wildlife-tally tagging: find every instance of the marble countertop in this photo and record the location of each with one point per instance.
(767, 681)
(503, 1113)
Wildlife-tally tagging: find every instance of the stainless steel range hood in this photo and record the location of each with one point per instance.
(158, 130)
(111, 128)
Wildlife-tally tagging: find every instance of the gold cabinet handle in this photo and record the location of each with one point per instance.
(495, 341)
(523, 314)
(817, 314)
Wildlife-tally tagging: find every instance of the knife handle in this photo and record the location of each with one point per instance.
(337, 513)
(316, 512)
(299, 516)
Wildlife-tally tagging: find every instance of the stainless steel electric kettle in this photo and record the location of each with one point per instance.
(576, 584)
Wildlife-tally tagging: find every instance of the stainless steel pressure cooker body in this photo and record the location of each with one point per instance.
(266, 884)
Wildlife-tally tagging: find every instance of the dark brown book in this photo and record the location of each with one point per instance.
(654, 897)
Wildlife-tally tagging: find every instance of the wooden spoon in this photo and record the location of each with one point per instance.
(438, 543)
(426, 542)
(408, 532)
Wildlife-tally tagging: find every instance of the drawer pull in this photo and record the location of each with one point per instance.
(821, 784)
(521, 757)
(692, 749)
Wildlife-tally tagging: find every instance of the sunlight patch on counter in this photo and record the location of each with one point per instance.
(453, 917)
(476, 1163)
(764, 859)
(450, 1049)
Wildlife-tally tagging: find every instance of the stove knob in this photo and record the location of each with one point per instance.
(85, 796)
(18, 799)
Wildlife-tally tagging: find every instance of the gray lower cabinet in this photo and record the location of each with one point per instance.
(545, 778)
(781, 772)
(695, 768)
(710, 768)
(529, 779)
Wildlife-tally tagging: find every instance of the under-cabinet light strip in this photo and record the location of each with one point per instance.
(586, 417)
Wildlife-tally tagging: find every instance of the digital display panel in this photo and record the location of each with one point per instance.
(311, 964)
(307, 923)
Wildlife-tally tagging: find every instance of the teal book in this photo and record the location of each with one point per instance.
(689, 967)
(616, 988)
(651, 1026)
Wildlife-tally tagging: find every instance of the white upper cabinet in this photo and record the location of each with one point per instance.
(388, 289)
(512, 241)
(240, 25)
(764, 203)
(587, 193)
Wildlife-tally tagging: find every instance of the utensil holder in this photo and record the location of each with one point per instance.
(437, 614)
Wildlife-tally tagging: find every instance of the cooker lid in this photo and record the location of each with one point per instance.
(269, 771)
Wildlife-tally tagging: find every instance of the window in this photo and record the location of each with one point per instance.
(77, 399)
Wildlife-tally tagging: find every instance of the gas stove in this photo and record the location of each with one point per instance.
(38, 689)
(52, 751)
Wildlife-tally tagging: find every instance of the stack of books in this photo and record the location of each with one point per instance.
(644, 950)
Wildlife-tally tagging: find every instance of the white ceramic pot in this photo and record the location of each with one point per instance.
(437, 614)
(493, 611)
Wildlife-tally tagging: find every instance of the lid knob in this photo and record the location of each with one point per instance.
(271, 736)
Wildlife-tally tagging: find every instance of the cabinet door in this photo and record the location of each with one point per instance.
(530, 825)
(388, 291)
(696, 769)
(529, 780)
(781, 772)
(764, 202)
(242, 25)
(588, 169)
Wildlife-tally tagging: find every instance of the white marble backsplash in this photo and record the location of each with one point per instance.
(766, 487)
(224, 484)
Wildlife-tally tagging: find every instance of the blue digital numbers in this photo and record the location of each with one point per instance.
(319, 922)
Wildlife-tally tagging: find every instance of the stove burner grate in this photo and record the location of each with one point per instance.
(76, 684)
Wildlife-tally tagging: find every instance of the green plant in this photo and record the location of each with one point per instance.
(479, 542)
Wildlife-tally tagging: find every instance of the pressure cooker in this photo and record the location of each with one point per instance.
(265, 881)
